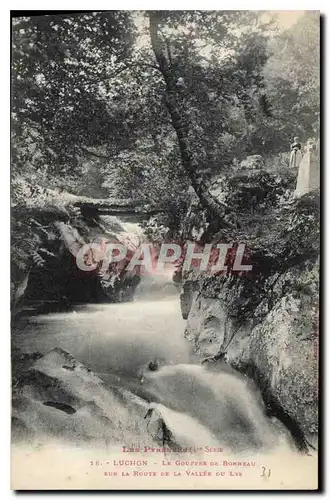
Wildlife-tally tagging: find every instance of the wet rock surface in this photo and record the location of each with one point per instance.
(44, 270)
(266, 321)
(75, 405)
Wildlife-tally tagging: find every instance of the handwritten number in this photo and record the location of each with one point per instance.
(265, 472)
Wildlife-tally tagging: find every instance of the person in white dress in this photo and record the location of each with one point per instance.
(295, 156)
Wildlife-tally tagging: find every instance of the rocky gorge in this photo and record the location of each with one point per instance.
(262, 324)
(48, 229)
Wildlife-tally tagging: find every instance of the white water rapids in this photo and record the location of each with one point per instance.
(118, 341)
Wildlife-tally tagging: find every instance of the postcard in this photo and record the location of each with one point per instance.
(165, 199)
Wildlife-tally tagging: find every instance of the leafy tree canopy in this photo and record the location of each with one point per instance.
(90, 101)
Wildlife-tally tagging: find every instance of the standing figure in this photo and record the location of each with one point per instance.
(295, 156)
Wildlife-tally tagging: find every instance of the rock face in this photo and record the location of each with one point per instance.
(266, 321)
(57, 398)
(277, 344)
(44, 248)
(284, 349)
(186, 298)
(206, 324)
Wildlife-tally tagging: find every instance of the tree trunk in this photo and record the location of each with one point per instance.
(175, 106)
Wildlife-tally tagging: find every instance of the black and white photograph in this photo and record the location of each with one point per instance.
(165, 249)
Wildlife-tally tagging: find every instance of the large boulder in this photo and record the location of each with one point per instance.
(206, 324)
(59, 398)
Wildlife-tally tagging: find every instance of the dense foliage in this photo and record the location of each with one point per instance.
(90, 101)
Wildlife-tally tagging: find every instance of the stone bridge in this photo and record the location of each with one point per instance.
(126, 210)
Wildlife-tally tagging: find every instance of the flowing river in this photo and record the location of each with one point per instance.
(119, 341)
(110, 338)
